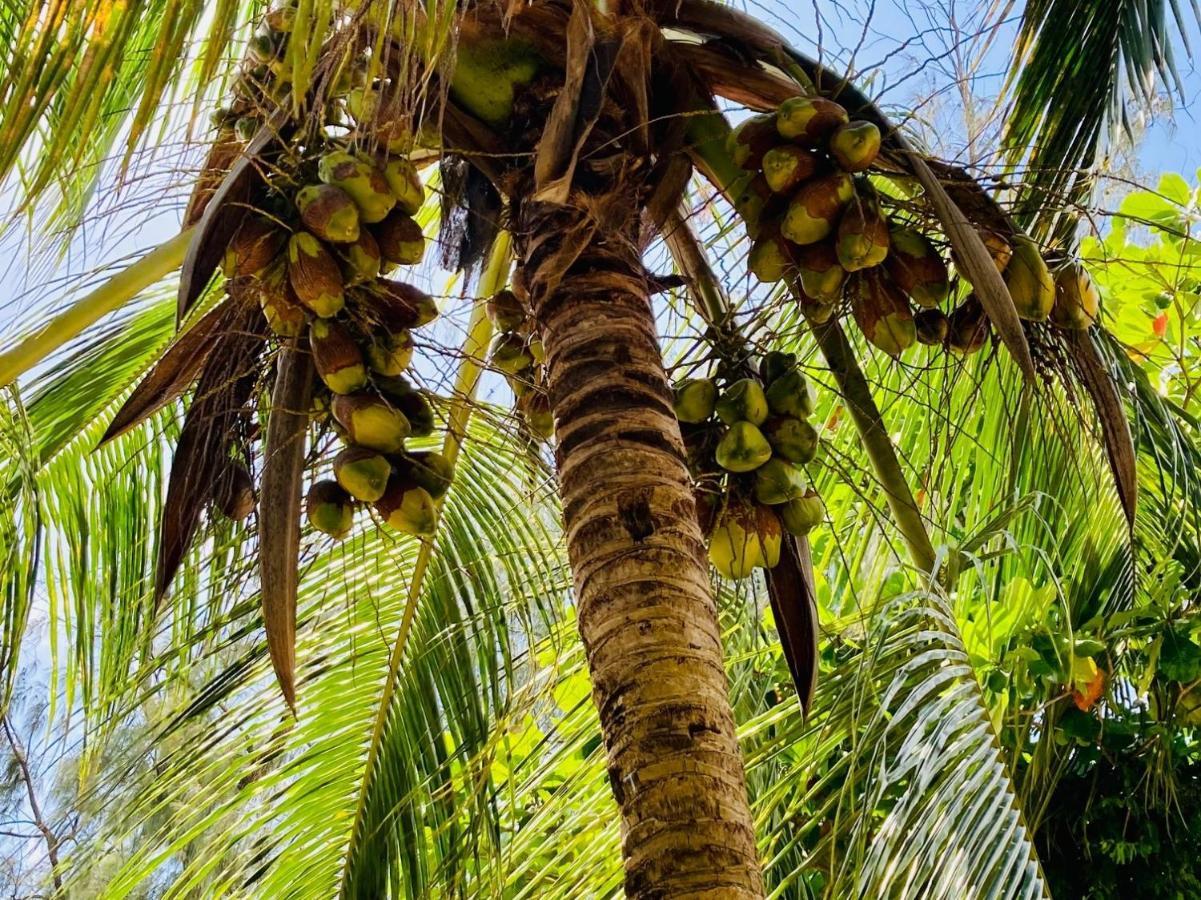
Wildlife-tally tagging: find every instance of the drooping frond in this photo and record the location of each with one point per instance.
(280, 792)
(1074, 69)
(86, 80)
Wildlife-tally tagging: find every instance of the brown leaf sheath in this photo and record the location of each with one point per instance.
(279, 509)
(224, 212)
(222, 393)
(175, 371)
(1115, 427)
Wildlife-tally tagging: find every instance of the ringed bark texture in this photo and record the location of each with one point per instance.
(645, 606)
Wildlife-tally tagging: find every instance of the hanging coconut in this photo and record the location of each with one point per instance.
(915, 267)
(362, 473)
(315, 275)
(330, 509)
(810, 121)
(329, 213)
(855, 145)
(815, 210)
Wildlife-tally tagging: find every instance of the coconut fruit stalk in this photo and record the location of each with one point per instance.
(1077, 301)
(330, 509)
(315, 275)
(814, 211)
(855, 146)
(915, 267)
(329, 213)
(337, 357)
(883, 314)
(862, 235)
(809, 121)
(362, 473)
(821, 274)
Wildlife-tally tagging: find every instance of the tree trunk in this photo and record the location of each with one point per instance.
(645, 606)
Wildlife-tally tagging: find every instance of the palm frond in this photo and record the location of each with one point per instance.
(495, 577)
(82, 76)
(1074, 68)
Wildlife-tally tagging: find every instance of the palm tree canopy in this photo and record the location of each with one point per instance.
(464, 757)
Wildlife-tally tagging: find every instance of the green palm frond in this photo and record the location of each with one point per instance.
(909, 780)
(102, 504)
(497, 576)
(1075, 67)
(82, 76)
(20, 522)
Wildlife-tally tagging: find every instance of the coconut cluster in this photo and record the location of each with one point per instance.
(518, 354)
(747, 441)
(318, 258)
(824, 228)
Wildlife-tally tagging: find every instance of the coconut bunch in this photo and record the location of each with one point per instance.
(517, 353)
(264, 80)
(300, 401)
(308, 245)
(747, 442)
(320, 268)
(823, 227)
(318, 258)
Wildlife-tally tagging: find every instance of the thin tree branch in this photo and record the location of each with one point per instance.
(39, 820)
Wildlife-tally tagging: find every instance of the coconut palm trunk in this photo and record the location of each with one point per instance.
(645, 605)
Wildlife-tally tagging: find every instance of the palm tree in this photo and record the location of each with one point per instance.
(599, 147)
